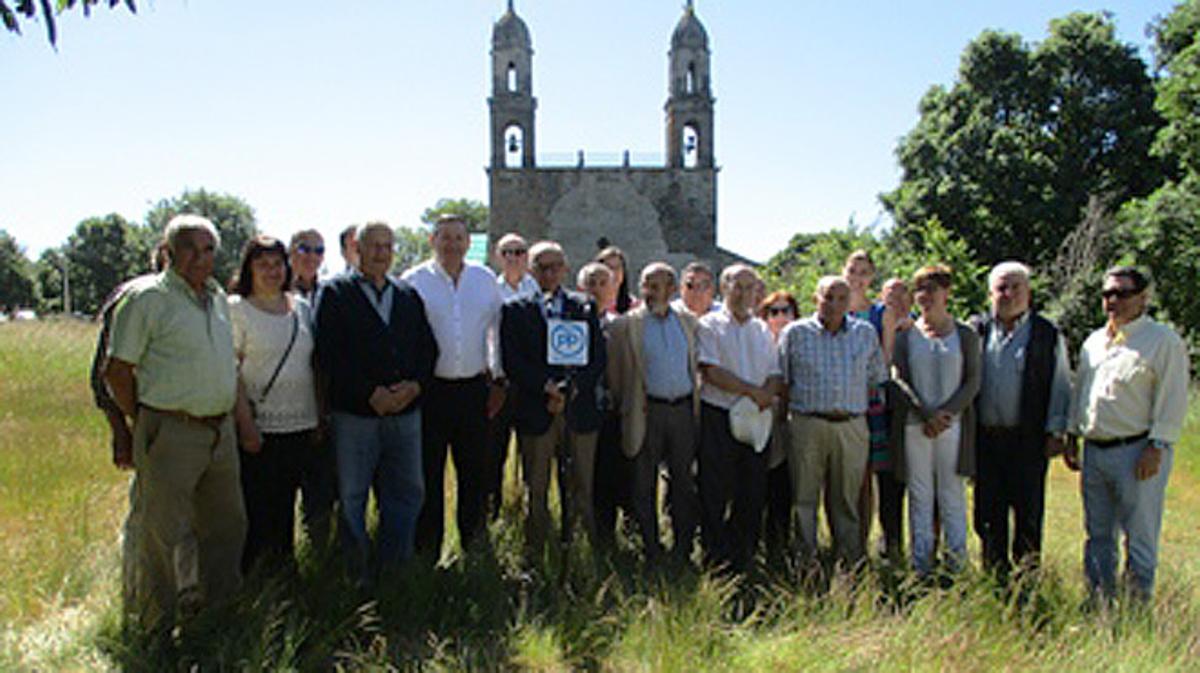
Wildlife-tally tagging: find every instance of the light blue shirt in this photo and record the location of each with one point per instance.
(665, 353)
(381, 300)
(1003, 378)
(830, 371)
(937, 365)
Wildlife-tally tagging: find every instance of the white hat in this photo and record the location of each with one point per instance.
(750, 424)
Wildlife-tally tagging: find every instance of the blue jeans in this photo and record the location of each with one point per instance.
(1113, 500)
(384, 452)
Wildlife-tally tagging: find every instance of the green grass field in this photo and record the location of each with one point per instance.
(61, 504)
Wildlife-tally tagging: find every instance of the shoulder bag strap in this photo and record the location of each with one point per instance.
(286, 352)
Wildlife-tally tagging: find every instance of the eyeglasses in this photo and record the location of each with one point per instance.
(779, 310)
(513, 252)
(311, 249)
(1119, 293)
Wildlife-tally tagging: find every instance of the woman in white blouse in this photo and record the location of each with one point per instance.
(273, 340)
(936, 369)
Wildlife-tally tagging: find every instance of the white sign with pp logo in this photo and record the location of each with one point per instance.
(566, 342)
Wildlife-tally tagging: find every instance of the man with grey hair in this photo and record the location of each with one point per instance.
(697, 290)
(554, 355)
(171, 369)
(737, 359)
(1129, 408)
(1021, 413)
(829, 361)
(652, 367)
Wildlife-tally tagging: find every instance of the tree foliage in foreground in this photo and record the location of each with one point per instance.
(12, 11)
(1009, 156)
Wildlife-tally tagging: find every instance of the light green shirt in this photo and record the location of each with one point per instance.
(180, 345)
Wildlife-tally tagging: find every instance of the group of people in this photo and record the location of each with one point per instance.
(749, 415)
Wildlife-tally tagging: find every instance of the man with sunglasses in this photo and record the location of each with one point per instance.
(1022, 415)
(697, 290)
(1129, 409)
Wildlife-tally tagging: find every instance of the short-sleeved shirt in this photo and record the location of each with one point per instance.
(180, 345)
(744, 349)
(830, 371)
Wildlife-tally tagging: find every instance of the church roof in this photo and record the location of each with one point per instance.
(689, 32)
(510, 31)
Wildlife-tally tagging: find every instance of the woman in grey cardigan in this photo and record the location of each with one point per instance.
(935, 370)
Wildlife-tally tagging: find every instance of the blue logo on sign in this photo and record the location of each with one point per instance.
(568, 340)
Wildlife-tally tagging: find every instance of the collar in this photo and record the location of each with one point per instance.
(1129, 329)
(176, 282)
(1018, 324)
(362, 278)
(445, 275)
(816, 316)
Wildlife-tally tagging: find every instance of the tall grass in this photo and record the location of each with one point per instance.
(61, 503)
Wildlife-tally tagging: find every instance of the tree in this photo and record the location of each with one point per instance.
(233, 217)
(31, 10)
(102, 253)
(48, 276)
(1010, 155)
(412, 248)
(474, 212)
(16, 274)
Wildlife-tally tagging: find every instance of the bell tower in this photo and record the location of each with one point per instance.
(512, 103)
(689, 99)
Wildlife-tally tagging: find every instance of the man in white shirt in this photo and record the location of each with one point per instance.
(737, 358)
(697, 291)
(1129, 409)
(462, 303)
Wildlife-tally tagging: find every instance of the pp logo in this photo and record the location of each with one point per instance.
(568, 342)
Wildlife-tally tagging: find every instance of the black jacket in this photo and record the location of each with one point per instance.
(523, 347)
(357, 352)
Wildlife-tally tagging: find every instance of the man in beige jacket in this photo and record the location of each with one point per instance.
(652, 377)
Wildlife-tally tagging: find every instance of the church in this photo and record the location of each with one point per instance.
(653, 213)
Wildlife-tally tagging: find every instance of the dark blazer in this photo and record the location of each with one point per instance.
(357, 352)
(523, 348)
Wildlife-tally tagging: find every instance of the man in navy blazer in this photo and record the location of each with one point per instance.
(555, 403)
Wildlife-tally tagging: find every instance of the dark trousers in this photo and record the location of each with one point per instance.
(318, 493)
(733, 481)
(500, 430)
(1011, 475)
(613, 480)
(454, 414)
(270, 480)
(891, 513)
(778, 531)
(670, 436)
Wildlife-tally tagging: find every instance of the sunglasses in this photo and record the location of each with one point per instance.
(513, 252)
(779, 310)
(311, 249)
(1119, 293)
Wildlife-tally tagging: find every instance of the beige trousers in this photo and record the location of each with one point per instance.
(188, 482)
(537, 452)
(819, 448)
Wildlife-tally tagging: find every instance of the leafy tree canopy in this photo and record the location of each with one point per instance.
(474, 212)
(1008, 157)
(16, 274)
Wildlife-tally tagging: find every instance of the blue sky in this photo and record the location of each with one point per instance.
(322, 117)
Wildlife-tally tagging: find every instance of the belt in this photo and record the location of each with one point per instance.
(832, 416)
(671, 402)
(213, 422)
(1117, 441)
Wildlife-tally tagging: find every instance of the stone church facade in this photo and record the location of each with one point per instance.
(653, 213)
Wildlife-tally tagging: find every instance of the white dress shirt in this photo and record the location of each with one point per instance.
(464, 317)
(526, 287)
(746, 350)
(1132, 382)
